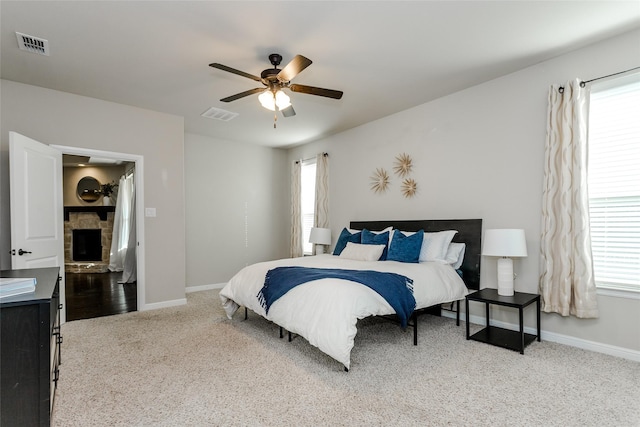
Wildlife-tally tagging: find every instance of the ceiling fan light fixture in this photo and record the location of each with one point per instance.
(282, 100)
(266, 100)
(270, 100)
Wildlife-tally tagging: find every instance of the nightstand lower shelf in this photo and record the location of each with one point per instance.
(501, 337)
(505, 338)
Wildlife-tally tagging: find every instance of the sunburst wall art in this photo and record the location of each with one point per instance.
(403, 165)
(380, 181)
(409, 187)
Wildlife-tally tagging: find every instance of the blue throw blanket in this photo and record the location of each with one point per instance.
(396, 289)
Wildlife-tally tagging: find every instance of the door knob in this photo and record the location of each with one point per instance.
(21, 252)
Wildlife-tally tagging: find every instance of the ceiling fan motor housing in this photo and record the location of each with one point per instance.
(270, 74)
(275, 59)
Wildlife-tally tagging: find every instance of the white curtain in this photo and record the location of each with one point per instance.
(296, 210)
(321, 209)
(567, 282)
(123, 242)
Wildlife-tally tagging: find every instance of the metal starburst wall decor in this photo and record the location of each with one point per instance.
(380, 181)
(403, 165)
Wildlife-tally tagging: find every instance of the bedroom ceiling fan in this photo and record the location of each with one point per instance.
(275, 80)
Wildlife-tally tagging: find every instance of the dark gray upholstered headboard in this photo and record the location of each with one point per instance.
(469, 232)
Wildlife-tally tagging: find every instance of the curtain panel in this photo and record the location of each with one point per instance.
(567, 283)
(296, 210)
(123, 242)
(321, 209)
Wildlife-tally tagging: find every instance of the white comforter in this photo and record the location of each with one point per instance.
(325, 312)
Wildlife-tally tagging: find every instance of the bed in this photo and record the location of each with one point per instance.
(325, 311)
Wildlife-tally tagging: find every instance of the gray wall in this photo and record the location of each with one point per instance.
(60, 118)
(237, 207)
(479, 153)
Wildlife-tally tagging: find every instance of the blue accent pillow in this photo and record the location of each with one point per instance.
(371, 238)
(405, 248)
(346, 236)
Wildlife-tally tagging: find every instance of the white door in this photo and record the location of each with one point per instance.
(37, 231)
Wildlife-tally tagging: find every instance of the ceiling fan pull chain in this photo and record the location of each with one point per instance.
(275, 118)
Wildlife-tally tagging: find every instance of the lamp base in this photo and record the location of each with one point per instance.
(505, 277)
(319, 249)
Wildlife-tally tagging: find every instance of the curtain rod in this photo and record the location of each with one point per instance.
(584, 82)
(311, 158)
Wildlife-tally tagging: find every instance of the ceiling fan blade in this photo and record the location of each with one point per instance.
(329, 93)
(289, 111)
(234, 71)
(294, 67)
(243, 94)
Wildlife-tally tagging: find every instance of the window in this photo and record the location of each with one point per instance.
(308, 202)
(614, 182)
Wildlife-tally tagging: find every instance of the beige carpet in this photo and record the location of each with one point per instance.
(190, 366)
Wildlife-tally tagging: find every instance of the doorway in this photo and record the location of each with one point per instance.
(101, 286)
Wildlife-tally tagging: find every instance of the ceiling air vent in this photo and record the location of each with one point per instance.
(33, 44)
(219, 114)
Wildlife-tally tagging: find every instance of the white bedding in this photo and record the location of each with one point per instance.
(325, 312)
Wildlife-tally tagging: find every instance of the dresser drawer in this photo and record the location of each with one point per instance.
(54, 347)
(55, 307)
(30, 350)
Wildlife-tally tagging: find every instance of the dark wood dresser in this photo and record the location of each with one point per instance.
(30, 350)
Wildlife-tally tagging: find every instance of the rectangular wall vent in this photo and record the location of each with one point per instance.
(33, 44)
(219, 114)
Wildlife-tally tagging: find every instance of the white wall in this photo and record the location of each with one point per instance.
(479, 153)
(60, 118)
(237, 207)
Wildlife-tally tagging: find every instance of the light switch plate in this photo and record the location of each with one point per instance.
(150, 212)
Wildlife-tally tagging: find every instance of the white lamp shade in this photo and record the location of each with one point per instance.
(282, 100)
(269, 101)
(320, 236)
(506, 242)
(266, 100)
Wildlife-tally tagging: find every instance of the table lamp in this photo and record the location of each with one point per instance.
(320, 237)
(504, 243)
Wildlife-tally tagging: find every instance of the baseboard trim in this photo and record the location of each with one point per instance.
(597, 347)
(164, 304)
(199, 288)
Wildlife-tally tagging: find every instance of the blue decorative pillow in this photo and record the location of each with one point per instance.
(346, 236)
(371, 238)
(405, 248)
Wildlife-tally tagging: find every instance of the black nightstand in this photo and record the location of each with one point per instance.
(506, 338)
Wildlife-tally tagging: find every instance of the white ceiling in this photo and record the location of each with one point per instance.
(385, 56)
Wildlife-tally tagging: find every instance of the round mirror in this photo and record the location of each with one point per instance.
(88, 189)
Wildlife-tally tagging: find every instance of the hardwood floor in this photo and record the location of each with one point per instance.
(91, 295)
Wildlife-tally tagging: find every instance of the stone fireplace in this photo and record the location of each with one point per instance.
(87, 238)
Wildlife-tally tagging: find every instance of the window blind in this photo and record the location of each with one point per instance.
(614, 183)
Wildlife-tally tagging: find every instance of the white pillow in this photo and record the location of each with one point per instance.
(435, 245)
(455, 254)
(359, 252)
